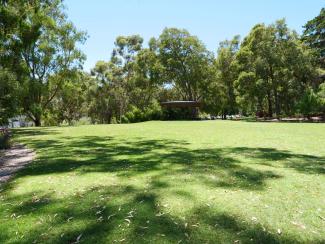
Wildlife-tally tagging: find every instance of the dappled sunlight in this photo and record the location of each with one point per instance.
(144, 189)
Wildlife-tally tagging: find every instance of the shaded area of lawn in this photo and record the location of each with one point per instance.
(143, 155)
(139, 220)
(150, 155)
(133, 213)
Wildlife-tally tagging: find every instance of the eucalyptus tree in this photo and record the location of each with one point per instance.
(185, 60)
(275, 68)
(45, 45)
(10, 59)
(148, 73)
(227, 74)
(70, 103)
(314, 35)
(101, 97)
(123, 71)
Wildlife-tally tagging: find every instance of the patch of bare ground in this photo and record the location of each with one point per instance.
(14, 159)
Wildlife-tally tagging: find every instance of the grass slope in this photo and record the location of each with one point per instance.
(169, 182)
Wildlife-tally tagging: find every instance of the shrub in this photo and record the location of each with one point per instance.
(309, 103)
(204, 116)
(134, 115)
(5, 139)
(125, 120)
(321, 97)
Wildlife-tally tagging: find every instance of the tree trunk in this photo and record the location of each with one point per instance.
(277, 104)
(269, 101)
(37, 121)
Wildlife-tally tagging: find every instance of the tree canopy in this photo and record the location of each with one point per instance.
(273, 71)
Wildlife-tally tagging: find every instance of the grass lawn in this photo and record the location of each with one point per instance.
(169, 182)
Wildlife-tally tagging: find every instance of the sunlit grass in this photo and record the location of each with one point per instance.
(169, 182)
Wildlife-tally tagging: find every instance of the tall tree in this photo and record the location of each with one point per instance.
(10, 59)
(45, 44)
(185, 61)
(275, 68)
(115, 80)
(101, 95)
(226, 65)
(314, 35)
(71, 101)
(147, 78)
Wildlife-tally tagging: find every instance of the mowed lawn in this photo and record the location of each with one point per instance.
(169, 182)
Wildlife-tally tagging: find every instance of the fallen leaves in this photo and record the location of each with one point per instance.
(14, 216)
(299, 225)
(78, 239)
(108, 218)
(69, 219)
(254, 219)
(321, 217)
(160, 214)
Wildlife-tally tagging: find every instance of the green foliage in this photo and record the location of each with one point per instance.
(274, 69)
(321, 98)
(134, 114)
(5, 139)
(227, 72)
(42, 44)
(9, 91)
(309, 103)
(314, 35)
(185, 61)
(40, 71)
(70, 102)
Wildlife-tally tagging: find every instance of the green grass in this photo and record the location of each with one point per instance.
(169, 182)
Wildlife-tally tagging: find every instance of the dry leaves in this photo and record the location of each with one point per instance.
(299, 225)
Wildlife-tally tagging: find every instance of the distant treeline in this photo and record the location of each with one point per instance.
(272, 72)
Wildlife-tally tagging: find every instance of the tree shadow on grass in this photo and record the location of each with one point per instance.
(126, 214)
(228, 226)
(27, 132)
(215, 167)
(273, 157)
(132, 158)
(135, 218)
(134, 214)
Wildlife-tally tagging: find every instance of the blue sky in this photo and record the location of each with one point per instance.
(212, 21)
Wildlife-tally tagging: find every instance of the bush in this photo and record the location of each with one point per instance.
(125, 120)
(5, 139)
(153, 112)
(321, 97)
(204, 116)
(309, 103)
(134, 115)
